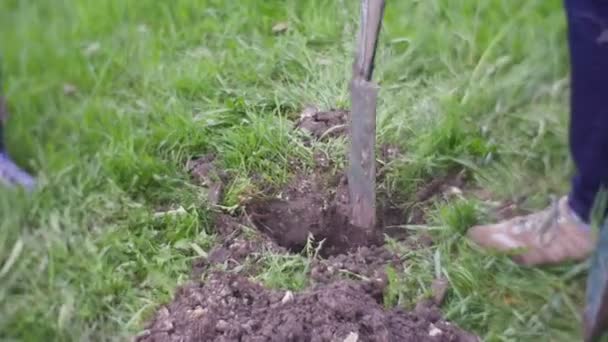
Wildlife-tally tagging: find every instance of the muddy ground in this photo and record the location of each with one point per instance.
(347, 280)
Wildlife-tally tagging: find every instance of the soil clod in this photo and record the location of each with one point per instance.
(205, 173)
(322, 124)
(441, 185)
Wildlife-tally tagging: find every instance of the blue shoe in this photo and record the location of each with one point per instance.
(12, 175)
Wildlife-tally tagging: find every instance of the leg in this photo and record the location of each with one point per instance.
(561, 233)
(588, 42)
(10, 173)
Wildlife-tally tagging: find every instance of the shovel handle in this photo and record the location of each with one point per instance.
(372, 12)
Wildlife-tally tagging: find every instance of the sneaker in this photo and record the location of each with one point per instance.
(11, 174)
(552, 236)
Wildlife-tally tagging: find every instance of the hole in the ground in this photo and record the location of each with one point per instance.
(312, 206)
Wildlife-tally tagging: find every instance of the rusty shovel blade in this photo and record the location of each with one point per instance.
(595, 317)
(362, 171)
(364, 93)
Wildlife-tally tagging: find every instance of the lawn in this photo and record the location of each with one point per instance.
(110, 99)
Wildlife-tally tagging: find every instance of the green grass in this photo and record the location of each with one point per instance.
(478, 84)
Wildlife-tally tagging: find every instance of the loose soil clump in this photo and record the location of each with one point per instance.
(205, 173)
(444, 186)
(229, 307)
(323, 124)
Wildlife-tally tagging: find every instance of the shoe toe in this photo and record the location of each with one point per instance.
(482, 236)
(495, 237)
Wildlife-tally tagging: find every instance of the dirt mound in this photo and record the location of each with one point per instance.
(228, 307)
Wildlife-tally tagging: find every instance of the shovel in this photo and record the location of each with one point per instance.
(595, 318)
(362, 168)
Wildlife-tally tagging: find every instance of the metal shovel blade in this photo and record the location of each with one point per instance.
(595, 318)
(362, 172)
(364, 93)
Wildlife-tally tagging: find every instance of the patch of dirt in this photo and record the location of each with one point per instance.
(363, 263)
(386, 154)
(323, 124)
(501, 210)
(447, 186)
(309, 206)
(235, 247)
(204, 171)
(238, 245)
(450, 183)
(228, 307)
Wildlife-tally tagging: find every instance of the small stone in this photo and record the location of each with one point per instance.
(164, 318)
(222, 325)
(163, 313)
(173, 212)
(92, 49)
(288, 297)
(352, 337)
(434, 331)
(454, 191)
(69, 89)
(280, 27)
(143, 335)
(308, 112)
(198, 312)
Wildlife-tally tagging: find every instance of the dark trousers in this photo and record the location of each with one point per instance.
(588, 43)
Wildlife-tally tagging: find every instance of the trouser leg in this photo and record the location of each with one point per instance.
(588, 43)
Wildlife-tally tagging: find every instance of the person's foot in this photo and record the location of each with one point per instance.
(552, 236)
(11, 174)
